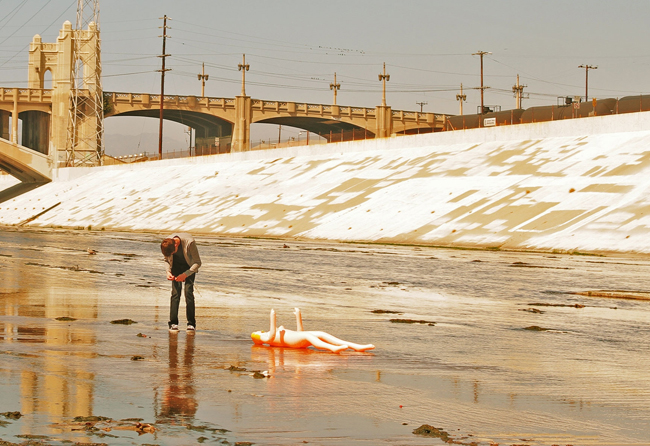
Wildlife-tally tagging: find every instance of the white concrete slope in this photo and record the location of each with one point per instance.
(575, 185)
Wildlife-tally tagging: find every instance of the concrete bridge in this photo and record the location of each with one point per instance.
(218, 117)
(36, 109)
(56, 129)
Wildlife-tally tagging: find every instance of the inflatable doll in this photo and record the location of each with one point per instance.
(282, 337)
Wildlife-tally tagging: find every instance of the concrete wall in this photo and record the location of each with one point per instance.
(576, 185)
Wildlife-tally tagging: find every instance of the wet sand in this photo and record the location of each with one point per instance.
(473, 366)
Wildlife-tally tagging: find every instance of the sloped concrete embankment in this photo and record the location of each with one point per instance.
(578, 185)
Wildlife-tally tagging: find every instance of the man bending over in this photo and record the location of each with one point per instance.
(182, 262)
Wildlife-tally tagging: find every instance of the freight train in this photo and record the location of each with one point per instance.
(568, 110)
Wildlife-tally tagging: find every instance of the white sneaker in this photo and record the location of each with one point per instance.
(173, 328)
(191, 329)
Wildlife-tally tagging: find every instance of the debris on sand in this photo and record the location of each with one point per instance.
(206, 429)
(99, 426)
(65, 319)
(261, 375)
(123, 322)
(527, 265)
(427, 430)
(386, 312)
(412, 321)
(536, 328)
(91, 419)
(33, 437)
(616, 294)
(532, 310)
(234, 368)
(141, 428)
(12, 415)
(556, 305)
(140, 335)
(137, 358)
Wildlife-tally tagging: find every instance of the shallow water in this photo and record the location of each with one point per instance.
(477, 373)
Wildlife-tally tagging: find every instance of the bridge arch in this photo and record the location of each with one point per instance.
(330, 129)
(212, 133)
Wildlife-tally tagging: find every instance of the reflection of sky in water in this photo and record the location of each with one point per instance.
(475, 372)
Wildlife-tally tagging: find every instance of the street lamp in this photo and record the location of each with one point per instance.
(203, 77)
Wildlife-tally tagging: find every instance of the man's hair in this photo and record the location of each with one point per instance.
(168, 247)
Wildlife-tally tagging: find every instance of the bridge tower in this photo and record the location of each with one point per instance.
(76, 122)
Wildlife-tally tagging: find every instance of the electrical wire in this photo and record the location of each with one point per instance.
(48, 27)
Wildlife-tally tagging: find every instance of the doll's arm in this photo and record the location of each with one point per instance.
(296, 311)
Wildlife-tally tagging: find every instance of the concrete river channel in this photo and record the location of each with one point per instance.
(483, 347)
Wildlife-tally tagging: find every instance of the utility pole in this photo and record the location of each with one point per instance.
(518, 91)
(421, 104)
(203, 77)
(384, 77)
(335, 87)
(482, 53)
(243, 67)
(462, 98)
(162, 84)
(587, 68)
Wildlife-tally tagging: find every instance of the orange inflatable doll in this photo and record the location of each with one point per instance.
(282, 337)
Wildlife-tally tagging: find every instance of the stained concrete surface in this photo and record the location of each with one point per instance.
(477, 374)
(567, 186)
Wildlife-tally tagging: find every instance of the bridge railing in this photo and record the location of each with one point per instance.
(262, 105)
(26, 94)
(147, 100)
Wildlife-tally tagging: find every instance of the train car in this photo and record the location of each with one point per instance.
(631, 104)
(569, 111)
(507, 117)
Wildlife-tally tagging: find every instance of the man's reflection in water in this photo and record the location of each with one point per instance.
(178, 400)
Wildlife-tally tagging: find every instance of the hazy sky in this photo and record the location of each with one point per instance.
(295, 46)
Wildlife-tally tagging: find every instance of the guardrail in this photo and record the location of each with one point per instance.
(26, 94)
(304, 108)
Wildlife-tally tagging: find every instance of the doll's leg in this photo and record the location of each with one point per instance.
(319, 343)
(336, 341)
(270, 336)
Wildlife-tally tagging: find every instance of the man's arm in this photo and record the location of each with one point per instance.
(193, 255)
(194, 260)
(168, 268)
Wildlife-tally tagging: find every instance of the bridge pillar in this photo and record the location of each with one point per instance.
(36, 130)
(242, 131)
(14, 119)
(4, 124)
(384, 118)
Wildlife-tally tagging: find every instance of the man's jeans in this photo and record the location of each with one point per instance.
(189, 301)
